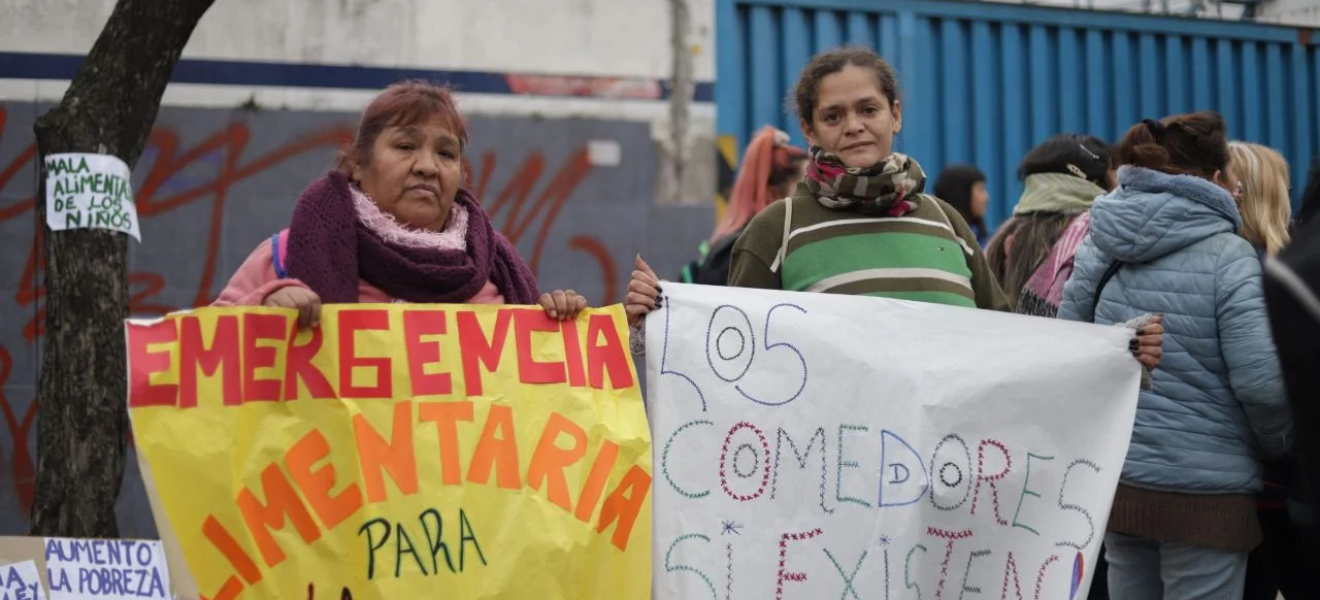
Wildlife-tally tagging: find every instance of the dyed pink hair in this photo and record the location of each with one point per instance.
(768, 162)
(402, 104)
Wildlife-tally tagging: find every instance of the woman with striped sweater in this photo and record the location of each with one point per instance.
(859, 223)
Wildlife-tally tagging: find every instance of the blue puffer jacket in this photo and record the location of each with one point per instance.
(1217, 402)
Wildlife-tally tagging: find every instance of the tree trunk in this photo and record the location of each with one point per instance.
(82, 414)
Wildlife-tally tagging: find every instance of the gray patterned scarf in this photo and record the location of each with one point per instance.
(888, 187)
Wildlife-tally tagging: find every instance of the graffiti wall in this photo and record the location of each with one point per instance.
(575, 195)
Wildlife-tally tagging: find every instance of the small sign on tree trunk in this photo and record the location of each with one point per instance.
(90, 190)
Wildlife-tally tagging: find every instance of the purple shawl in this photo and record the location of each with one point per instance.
(330, 249)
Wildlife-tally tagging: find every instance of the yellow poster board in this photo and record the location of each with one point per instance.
(396, 451)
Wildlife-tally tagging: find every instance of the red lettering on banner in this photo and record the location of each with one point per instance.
(350, 323)
(530, 370)
(258, 327)
(298, 365)
(784, 573)
(145, 362)
(419, 324)
(477, 350)
(608, 357)
(223, 356)
(577, 376)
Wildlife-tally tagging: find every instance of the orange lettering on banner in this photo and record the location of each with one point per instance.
(298, 366)
(499, 453)
(594, 486)
(624, 504)
(281, 501)
(229, 591)
(229, 547)
(222, 356)
(145, 362)
(316, 484)
(549, 460)
(378, 456)
(419, 324)
(477, 351)
(256, 327)
(446, 416)
(350, 323)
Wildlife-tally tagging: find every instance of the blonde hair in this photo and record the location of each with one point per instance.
(1265, 206)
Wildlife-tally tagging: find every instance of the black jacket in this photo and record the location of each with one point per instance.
(712, 268)
(1292, 295)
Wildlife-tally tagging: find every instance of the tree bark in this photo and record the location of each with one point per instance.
(82, 417)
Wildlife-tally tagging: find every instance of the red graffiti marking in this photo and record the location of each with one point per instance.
(160, 194)
(514, 197)
(24, 475)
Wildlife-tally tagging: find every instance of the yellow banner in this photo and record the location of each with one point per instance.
(397, 451)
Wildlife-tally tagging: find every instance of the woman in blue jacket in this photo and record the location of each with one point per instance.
(1165, 242)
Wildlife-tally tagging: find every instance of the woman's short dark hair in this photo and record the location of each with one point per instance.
(1086, 153)
(954, 186)
(806, 93)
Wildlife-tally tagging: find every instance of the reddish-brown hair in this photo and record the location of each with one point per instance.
(402, 104)
(1192, 144)
(768, 163)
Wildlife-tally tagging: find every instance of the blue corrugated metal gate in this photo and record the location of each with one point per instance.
(985, 82)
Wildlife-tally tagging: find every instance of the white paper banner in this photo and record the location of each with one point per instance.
(87, 569)
(90, 190)
(20, 581)
(813, 446)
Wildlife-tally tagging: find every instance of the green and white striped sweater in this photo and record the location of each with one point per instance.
(927, 255)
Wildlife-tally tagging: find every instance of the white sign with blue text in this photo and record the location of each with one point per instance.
(812, 446)
(97, 569)
(20, 581)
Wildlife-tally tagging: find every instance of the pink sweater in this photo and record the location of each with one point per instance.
(256, 279)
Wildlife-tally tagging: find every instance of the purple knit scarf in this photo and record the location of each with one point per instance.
(330, 249)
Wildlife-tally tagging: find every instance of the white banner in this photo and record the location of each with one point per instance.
(813, 446)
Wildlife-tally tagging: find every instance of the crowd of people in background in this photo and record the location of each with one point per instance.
(1176, 233)
(1169, 231)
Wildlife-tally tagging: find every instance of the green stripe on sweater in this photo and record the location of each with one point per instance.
(830, 257)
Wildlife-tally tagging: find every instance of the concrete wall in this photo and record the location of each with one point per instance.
(558, 37)
(623, 46)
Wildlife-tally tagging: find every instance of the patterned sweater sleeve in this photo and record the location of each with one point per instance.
(637, 338)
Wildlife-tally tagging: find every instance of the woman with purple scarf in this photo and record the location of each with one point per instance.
(393, 224)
